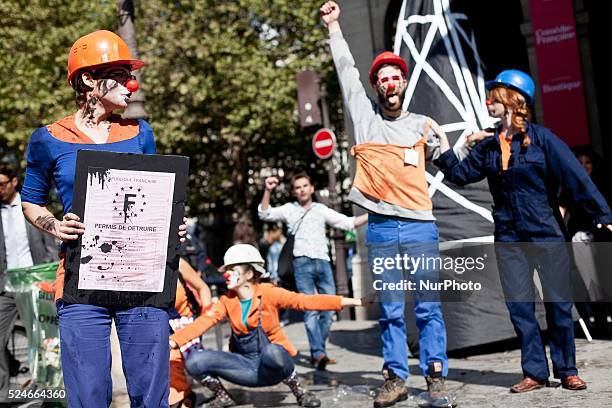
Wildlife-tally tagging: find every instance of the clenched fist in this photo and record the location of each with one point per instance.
(330, 12)
(271, 183)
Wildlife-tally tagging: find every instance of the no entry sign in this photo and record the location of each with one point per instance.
(323, 143)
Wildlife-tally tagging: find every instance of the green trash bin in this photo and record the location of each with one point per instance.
(39, 316)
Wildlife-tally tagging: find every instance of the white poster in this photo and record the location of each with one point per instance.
(127, 220)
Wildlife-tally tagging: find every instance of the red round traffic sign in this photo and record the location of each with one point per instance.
(323, 143)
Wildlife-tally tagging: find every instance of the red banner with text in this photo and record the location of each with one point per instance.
(559, 70)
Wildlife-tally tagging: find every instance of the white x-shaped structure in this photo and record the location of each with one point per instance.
(470, 103)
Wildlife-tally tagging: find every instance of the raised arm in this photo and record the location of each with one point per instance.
(359, 106)
(269, 185)
(265, 211)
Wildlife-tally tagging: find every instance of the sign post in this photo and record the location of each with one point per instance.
(313, 112)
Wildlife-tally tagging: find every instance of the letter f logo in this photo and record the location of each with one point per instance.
(127, 205)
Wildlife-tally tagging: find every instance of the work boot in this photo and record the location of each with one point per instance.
(393, 390)
(222, 397)
(435, 382)
(436, 387)
(304, 397)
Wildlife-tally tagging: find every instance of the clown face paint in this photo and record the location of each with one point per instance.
(234, 277)
(496, 108)
(111, 88)
(391, 88)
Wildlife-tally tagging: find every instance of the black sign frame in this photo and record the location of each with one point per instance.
(87, 159)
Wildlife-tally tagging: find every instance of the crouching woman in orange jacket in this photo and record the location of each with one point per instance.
(261, 355)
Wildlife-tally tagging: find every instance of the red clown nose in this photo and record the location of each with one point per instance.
(226, 275)
(488, 102)
(390, 87)
(132, 85)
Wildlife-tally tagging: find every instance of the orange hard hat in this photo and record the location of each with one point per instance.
(100, 48)
(390, 58)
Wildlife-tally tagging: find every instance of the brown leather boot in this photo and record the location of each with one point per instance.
(435, 382)
(392, 391)
(573, 383)
(436, 388)
(528, 384)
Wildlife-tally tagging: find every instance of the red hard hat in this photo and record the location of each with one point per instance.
(387, 57)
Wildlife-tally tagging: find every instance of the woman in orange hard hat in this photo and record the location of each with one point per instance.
(100, 71)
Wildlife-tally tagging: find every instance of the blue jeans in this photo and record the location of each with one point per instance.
(516, 265)
(311, 274)
(388, 237)
(86, 355)
(269, 367)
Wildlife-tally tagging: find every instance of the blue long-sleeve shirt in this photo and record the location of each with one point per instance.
(52, 151)
(526, 194)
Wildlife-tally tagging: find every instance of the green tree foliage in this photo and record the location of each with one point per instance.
(36, 36)
(221, 89)
(220, 84)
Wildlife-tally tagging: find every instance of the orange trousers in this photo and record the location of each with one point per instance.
(179, 383)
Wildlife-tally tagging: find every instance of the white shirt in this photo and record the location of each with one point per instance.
(15, 235)
(310, 239)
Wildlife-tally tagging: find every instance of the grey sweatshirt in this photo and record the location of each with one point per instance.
(370, 126)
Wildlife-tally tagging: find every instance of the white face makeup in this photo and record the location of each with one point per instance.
(110, 87)
(391, 87)
(235, 277)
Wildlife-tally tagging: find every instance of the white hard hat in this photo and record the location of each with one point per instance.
(244, 254)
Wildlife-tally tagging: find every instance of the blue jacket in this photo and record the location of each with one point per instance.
(525, 197)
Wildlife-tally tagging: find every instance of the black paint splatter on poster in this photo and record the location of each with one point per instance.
(99, 173)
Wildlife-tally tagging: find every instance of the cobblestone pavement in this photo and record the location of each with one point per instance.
(477, 381)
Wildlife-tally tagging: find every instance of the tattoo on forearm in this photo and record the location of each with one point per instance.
(47, 222)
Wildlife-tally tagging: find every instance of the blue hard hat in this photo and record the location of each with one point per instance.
(514, 79)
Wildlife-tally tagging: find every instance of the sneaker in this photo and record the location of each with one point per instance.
(308, 399)
(392, 391)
